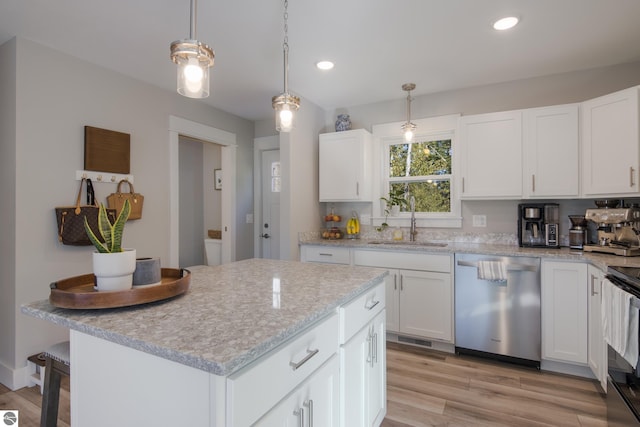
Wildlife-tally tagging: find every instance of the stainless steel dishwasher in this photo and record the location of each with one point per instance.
(497, 307)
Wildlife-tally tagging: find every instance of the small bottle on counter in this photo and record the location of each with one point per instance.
(397, 234)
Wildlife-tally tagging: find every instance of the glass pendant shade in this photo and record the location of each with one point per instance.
(194, 60)
(285, 106)
(408, 128)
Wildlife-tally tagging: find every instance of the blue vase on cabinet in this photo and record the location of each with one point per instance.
(343, 123)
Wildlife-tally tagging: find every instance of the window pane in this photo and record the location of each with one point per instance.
(420, 158)
(431, 195)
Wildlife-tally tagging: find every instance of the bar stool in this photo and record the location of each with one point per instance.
(57, 362)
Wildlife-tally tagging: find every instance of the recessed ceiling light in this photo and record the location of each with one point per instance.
(505, 23)
(324, 65)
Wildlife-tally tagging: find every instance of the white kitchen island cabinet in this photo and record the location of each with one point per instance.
(345, 166)
(564, 312)
(249, 343)
(610, 141)
(491, 155)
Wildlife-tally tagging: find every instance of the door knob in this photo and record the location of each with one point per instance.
(265, 235)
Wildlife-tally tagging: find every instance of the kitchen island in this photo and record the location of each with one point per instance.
(212, 356)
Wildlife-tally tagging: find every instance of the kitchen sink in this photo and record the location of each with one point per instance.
(406, 243)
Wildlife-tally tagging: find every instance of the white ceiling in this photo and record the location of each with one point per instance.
(377, 45)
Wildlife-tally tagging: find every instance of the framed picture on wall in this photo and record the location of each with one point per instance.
(217, 177)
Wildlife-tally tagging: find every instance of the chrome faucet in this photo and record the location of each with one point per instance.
(413, 232)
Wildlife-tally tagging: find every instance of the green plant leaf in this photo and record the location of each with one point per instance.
(118, 227)
(100, 247)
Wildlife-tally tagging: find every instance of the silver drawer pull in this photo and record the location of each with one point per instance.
(370, 304)
(323, 254)
(300, 414)
(309, 404)
(310, 354)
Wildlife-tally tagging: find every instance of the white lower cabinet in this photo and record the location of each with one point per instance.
(564, 312)
(316, 402)
(363, 384)
(597, 351)
(419, 292)
(362, 360)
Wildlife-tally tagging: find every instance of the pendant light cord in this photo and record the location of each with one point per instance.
(285, 47)
(194, 13)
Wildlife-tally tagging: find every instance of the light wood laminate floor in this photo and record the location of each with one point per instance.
(429, 388)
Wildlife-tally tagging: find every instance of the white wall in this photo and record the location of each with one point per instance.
(299, 204)
(7, 208)
(57, 95)
(212, 198)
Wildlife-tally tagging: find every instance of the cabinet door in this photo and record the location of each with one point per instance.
(610, 144)
(314, 403)
(597, 346)
(426, 301)
(345, 166)
(377, 389)
(551, 155)
(393, 300)
(363, 376)
(491, 155)
(564, 311)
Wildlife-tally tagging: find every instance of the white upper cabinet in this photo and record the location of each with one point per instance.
(551, 152)
(490, 152)
(345, 166)
(610, 141)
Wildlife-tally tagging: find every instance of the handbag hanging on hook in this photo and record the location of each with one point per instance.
(116, 201)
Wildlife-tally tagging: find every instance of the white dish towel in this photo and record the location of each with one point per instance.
(495, 271)
(620, 321)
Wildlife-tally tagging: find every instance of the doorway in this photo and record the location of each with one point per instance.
(182, 127)
(200, 201)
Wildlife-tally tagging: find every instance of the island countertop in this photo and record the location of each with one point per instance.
(231, 315)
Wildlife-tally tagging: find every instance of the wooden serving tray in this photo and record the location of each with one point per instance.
(79, 293)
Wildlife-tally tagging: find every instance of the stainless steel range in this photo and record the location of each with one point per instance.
(616, 231)
(623, 379)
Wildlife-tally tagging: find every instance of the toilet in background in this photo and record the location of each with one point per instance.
(213, 253)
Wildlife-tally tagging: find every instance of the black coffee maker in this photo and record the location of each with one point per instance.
(538, 225)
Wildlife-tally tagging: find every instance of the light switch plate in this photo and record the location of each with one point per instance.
(479, 220)
(249, 218)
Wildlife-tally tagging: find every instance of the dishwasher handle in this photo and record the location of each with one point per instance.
(509, 266)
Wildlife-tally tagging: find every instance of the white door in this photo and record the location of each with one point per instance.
(270, 221)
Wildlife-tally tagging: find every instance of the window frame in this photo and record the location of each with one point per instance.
(434, 128)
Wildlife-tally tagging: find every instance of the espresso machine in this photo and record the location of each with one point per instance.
(538, 225)
(616, 231)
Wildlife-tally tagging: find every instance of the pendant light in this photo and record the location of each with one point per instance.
(285, 104)
(194, 60)
(408, 128)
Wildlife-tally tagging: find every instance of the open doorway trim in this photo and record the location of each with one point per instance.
(179, 126)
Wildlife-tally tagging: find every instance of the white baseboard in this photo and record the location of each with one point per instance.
(15, 379)
(566, 368)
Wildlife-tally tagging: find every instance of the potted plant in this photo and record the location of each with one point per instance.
(392, 205)
(112, 265)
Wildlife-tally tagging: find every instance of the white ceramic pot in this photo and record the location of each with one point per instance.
(395, 210)
(114, 272)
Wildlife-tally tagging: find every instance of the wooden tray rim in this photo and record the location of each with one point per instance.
(71, 297)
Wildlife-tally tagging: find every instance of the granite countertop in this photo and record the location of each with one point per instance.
(231, 315)
(599, 260)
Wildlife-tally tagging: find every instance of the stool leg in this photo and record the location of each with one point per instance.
(51, 395)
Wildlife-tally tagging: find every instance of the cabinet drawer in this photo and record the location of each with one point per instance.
(257, 388)
(359, 312)
(403, 260)
(325, 254)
